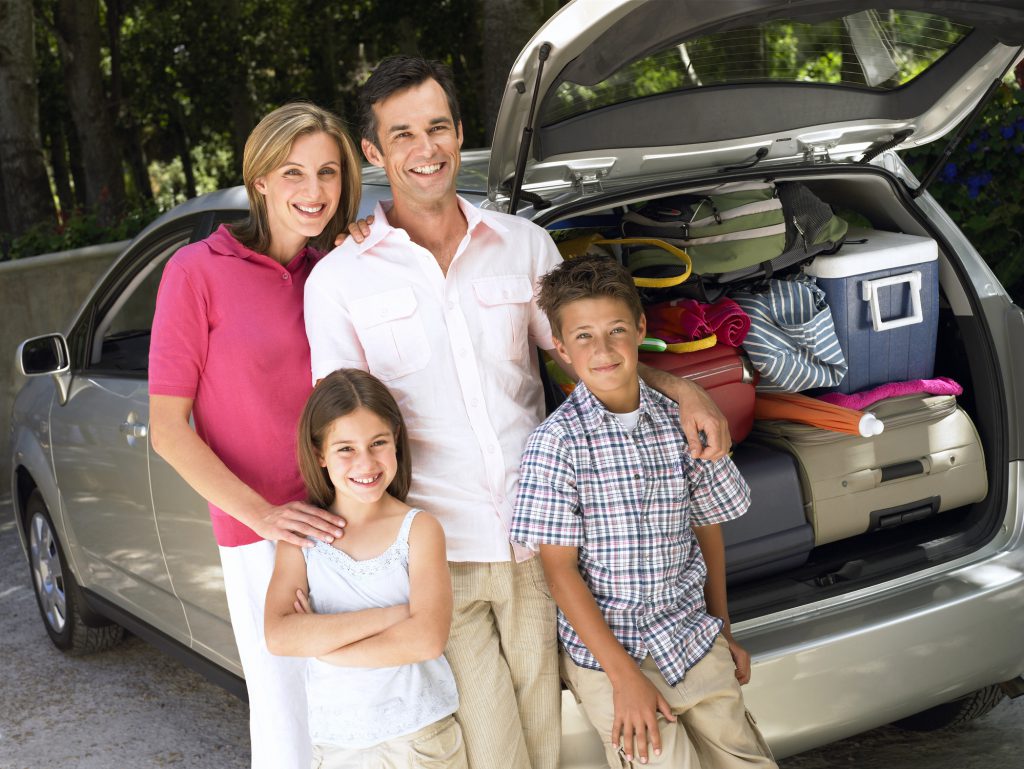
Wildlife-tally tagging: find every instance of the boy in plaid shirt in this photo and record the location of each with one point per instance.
(617, 506)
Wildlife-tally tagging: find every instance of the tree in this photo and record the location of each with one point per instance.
(507, 26)
(25, 185)
(77, 26)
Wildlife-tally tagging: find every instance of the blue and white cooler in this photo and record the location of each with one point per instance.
(883, 289)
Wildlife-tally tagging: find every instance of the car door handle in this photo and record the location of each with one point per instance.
(134, 430)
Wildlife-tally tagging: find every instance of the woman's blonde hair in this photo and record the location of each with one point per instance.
(268, 147)
(338, 395)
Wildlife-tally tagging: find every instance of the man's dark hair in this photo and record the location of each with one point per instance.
(397, 73)
(586, 277)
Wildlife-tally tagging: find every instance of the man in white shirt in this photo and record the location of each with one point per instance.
(438, 302)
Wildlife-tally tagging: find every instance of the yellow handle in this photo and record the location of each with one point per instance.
(677, 252)
(697, 344)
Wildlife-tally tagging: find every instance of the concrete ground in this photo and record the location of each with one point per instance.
(134, 706)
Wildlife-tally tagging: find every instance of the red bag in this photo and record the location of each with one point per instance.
(725, 372)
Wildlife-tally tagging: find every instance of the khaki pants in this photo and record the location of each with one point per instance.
(712, 730)
(503, 651)
(436, 746)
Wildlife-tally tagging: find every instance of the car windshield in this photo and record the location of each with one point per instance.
(879, 50)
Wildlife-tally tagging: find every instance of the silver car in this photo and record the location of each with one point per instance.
(614, 102)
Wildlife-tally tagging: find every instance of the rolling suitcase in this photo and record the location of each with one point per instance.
(725, 372)
(928, 459)
(773, 535)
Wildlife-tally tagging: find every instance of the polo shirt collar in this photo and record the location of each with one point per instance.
(382, 228)
(223, 243)
(593, 413)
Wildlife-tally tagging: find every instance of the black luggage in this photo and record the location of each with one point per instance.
(774, 534)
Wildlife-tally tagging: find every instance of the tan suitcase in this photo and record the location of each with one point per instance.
(928, 459)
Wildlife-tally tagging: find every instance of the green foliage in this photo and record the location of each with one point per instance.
(212, 164)
(981, 185)
(81, 229)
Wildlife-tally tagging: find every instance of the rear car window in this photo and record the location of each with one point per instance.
(880, 50)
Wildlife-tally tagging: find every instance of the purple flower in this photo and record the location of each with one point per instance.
(949, 171)
(972, 147)
(984, 135)
(1007, 132)
(1018, 149)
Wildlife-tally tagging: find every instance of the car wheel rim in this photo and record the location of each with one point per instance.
(47, 575)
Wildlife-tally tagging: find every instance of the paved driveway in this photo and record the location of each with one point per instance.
(133, 706)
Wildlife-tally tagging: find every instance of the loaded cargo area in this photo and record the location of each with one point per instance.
(780, 560)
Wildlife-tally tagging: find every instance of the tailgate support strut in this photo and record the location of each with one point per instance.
(524, 144)
(961, 131)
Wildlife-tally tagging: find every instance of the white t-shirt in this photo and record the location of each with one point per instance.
(456, 350)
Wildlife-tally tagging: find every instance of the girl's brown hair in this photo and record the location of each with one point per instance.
(337, 395)
(267, 148)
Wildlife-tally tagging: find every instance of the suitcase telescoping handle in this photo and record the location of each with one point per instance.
(873, 477)
(869, 293)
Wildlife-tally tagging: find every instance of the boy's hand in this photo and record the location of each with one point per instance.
(699, 414)
(359, 230)
(741, 658)
(637, 704)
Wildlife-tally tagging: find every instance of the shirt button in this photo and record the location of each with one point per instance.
(284, 276)
(648, 598)
(462, 351)
(492, 448)
(451, 305)
(636, 476)
(474, 403)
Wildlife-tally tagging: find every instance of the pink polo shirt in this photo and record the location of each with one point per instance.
(228, 333)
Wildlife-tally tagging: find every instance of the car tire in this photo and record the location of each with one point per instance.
(955, 713)
(71, 624)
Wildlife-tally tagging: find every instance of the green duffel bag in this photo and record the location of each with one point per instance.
(741, 231)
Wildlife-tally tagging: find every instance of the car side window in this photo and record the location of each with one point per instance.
(121, 339)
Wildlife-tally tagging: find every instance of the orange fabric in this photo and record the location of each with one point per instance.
(794, 407)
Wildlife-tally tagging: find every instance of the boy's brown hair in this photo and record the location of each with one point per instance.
(586, 277)
(337, 395)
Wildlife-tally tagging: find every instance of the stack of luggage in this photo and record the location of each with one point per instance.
(759, 288)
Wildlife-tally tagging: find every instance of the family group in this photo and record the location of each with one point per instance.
(413, 566)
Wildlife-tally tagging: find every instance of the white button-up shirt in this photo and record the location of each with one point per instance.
(456, 350)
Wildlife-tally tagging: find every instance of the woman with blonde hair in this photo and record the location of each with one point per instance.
(229, 349)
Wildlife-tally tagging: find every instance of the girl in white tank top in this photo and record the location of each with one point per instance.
(379, 605)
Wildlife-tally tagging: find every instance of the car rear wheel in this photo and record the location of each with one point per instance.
(955, 713)
(68, 621)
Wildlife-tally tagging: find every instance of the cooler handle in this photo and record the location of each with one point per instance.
(869, 293)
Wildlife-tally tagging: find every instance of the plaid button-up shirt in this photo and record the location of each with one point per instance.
(627, 501)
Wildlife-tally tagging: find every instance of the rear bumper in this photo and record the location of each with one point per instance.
(870, 659)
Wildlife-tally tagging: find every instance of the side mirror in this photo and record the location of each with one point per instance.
(42, 355)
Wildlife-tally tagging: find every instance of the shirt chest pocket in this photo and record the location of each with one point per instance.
(503, 302)
(391, 332)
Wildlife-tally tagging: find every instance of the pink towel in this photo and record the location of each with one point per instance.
(729, 321)
(683, 320)
(859, 401)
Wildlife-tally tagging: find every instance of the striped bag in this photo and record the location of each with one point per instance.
(792, 339)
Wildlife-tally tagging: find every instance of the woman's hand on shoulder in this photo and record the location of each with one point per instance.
(359, 230)
(294, 522)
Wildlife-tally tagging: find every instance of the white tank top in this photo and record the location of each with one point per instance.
(358, 707)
